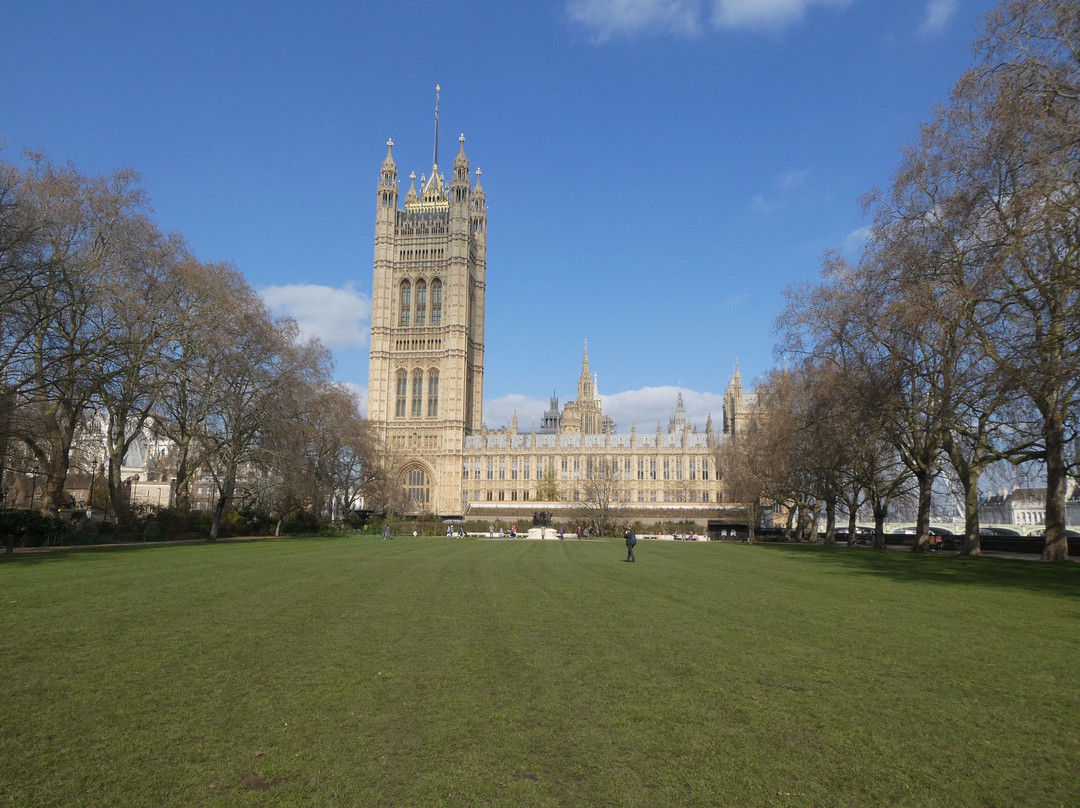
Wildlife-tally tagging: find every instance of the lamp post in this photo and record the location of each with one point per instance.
(90, 493)
(33, 485)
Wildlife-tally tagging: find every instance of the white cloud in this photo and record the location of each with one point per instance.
(643, 408)
(854, 242)
(339, 318)
(938, 14)
(648, 406)
(765, 14)
(786, 185)
(609, 19)
(498, 412)
(359, 392)
(794, 179)
(760, 204)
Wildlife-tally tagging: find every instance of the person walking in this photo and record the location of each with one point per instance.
(631, 540)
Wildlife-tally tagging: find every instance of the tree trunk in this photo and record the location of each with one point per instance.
(182, 500)
(118, 492)
(880, 512)
(1056, 548)
(830, 521)
(225, 493)
(970, 480)
(56, 471)
(851, 528)
(925, 479)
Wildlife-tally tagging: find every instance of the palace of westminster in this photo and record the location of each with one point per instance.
(426, 385)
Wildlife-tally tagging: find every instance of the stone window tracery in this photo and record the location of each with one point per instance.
(402, 390)
(417, 393)
(406, 302)
(421, 302)
(433, 393)
(436, 302)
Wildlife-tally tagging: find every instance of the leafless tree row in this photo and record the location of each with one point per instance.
(111, 329)
(954, 340)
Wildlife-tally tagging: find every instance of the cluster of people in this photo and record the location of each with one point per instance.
(451, 533)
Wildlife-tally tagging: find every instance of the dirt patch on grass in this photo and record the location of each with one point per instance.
(254, 782)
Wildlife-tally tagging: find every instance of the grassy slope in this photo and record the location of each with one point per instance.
(434, 672)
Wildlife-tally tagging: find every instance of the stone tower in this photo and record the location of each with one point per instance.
(426, 371)
(583, 416)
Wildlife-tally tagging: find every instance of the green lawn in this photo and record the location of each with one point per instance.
(356, 672)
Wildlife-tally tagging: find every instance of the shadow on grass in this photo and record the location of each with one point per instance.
(1034, 576)
(41, 555)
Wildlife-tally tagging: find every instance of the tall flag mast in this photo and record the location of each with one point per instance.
(435, 159)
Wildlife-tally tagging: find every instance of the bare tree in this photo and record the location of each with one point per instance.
(83, 233)
(601, 488)
(258, 361)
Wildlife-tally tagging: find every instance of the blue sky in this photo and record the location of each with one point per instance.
(657, 171)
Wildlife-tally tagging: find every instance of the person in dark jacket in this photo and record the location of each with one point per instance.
(631, 540)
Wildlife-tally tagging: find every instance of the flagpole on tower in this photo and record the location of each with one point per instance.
(435, 157)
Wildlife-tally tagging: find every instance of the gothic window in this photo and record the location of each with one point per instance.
(513, 469)
(436, 302)
(421, 302)
(652, 469)
(406, 302)
(416, 487)
(641, 469)
(417, 393)
(402, 390)
(525, 470)
(502, 469)
(704, 469)
(491, 470)
(693, 469)
(667, 469)
(678, 468)
(433, 393)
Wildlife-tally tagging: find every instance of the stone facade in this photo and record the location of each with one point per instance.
(426, 371)
(425, 386)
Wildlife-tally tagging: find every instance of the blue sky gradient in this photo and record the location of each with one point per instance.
(657, 171)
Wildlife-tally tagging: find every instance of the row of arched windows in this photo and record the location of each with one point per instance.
(414, 403)
(416, 309)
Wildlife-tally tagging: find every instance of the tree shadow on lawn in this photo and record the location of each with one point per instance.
(65, 552)
(951, 570)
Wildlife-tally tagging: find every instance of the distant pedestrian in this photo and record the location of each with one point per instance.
(386, 532)
(631, 540)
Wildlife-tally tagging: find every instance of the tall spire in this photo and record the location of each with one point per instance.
(435, 157)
